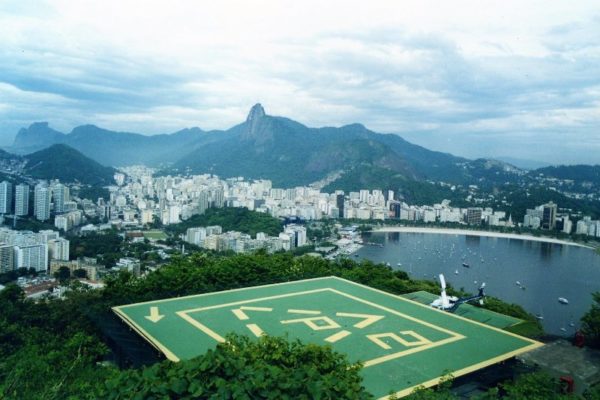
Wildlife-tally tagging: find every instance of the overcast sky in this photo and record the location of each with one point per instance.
(475, 78)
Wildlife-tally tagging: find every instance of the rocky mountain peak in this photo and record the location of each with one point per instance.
(255, 127)
(256, 112)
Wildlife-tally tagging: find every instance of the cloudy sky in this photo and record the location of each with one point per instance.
(475, 78)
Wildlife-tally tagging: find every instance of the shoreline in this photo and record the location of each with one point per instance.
(467, 232)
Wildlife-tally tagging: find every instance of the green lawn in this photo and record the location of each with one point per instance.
(155, 235)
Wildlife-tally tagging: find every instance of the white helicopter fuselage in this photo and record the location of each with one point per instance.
(439, 303)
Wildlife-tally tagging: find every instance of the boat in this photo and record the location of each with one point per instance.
(518, 283)
(562, 300)
(466, 265)
(540, 317)
(455, 272)
(563, 329)
(399, 264)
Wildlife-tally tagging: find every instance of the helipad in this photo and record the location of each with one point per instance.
(402, 344)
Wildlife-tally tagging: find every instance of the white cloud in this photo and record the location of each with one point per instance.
(491, 68)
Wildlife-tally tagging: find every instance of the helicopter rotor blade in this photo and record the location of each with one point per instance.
(442, 281)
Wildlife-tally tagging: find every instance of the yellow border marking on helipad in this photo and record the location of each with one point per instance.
(376, 338)
(331, 324)
(202, 327)
(239, 312)
(311, 323)
(405, 316)
(404, 353)
(142, 332)
(465, 371)
(255, 329)
(368, 319)
(337, 336)
(307, 312)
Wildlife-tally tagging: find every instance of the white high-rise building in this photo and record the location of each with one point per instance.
(60, 195)
(41, 205)
(195, 236)
(297, 234)
(5, 197)
(62, 222)
(59, 249)
(32, 256)
(22, 200)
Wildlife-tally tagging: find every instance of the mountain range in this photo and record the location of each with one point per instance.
(271, 147)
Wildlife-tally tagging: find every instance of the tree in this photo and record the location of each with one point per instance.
(63, 274)
(591, 321)
(80, 273)
(535, 386)
(242, 368)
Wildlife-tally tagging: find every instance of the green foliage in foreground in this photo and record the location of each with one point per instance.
(241, 368)
(51, 350)
(591, 322)
(531, 386)
(48, 350)
(232, 219)
(536, 386)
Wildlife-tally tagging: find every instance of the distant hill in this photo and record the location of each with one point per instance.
(524, 164)
(276, 148)
(578, 173)
(37, 137)
(62, 162)
(110, 147)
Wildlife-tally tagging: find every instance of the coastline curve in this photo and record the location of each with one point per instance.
(468, 232)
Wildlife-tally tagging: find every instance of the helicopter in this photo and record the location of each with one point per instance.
(451, 303)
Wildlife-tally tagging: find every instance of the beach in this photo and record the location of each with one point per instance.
(443, 231)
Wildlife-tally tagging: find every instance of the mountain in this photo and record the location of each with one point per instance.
(577, 173)
(277, 148)
(523, 163)
(290, 153)
(62, 162)
(110, 147)
(38, 136)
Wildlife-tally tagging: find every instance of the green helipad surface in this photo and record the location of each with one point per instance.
(401, 342)
(469, 311)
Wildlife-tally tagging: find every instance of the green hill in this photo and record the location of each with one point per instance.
(232, 219)
(577, 173)
(62, 162)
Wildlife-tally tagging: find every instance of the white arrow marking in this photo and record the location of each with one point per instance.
(154, 315)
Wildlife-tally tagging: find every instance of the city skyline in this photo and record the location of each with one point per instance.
(491, 80)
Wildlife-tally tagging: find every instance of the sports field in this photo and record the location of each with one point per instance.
(402, 343)
(155, 235)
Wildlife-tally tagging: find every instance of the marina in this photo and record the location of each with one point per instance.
(533, 274)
